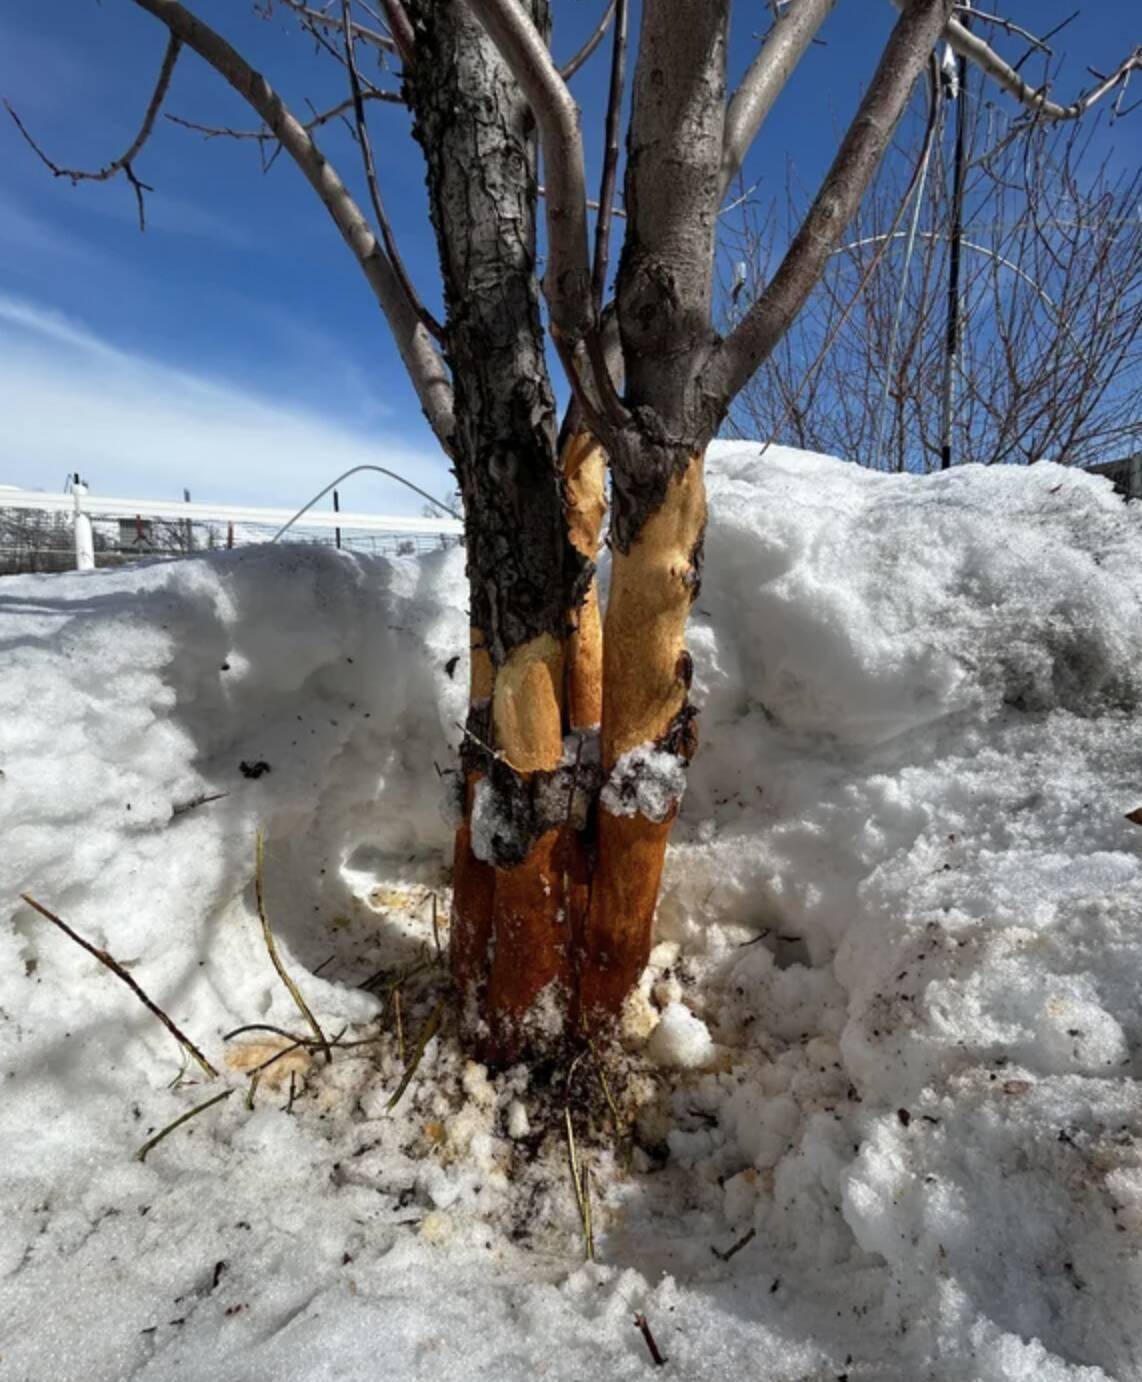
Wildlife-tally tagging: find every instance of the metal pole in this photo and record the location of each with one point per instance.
(337, 509)
(952, 334)
(84, 534)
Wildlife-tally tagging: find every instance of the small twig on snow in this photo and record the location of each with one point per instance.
(152, 1143)
(643, 1324)
(268, 937)
(737, 1247)
(427, 1033)
(117, 969)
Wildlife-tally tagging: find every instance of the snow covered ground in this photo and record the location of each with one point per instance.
(904, 900)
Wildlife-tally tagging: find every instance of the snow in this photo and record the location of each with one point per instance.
(680, 1039)
(645, 781)
(901, 923)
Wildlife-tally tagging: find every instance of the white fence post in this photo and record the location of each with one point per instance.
(84, 534)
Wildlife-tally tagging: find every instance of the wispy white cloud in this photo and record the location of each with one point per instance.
(71, 400)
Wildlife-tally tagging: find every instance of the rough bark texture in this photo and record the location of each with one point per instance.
(478, 138)
(525, 575)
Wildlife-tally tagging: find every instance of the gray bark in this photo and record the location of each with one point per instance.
(473, 123)
(665, 278)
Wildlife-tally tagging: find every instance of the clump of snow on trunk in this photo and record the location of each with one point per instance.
(646, 781)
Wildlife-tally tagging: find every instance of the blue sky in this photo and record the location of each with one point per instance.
(234, 347)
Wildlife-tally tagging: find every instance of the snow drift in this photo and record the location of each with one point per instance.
(899, 962)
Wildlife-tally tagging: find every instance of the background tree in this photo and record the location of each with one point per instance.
(1049, 358)
(578, 736)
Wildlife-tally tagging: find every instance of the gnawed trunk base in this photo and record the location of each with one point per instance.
(553, 917)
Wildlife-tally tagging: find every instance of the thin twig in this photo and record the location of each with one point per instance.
(616, 209)
(427, 1033)
(180, 808)
(152, 1143)
(123, 163)
(117, 969)
(263, 1027)
(737, 1247)
(573, 64)
(400, 1025)
(251, 1093)
(427, 319)
(266, 136)
(642, 1324)
(373, 36)
(268, 937)
(865, 278)
(581, 1188)
(1006, 25)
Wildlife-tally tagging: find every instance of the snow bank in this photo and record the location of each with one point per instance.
(902, 920)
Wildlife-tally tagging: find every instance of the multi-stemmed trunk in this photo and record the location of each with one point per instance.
(579, 730)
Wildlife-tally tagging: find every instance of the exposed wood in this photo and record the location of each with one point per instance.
(584, 491)
(646, 672)
(645, 687)
(527, 705)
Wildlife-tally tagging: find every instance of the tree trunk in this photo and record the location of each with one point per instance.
(648, 738)
(528, 577)
(577, 739)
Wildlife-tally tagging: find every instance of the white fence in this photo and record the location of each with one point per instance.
(217, 525)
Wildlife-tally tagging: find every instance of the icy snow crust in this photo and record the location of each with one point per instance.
(902, 899)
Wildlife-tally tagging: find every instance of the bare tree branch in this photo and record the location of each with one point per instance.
(972, 47)
(332, 21)
(566, 284)
(401, 29)
(366, 146)
(425, 366)
(765, 78)
(123, 163)
(610, 156)
(1007, 26)
(569, 68)
(912, 40)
